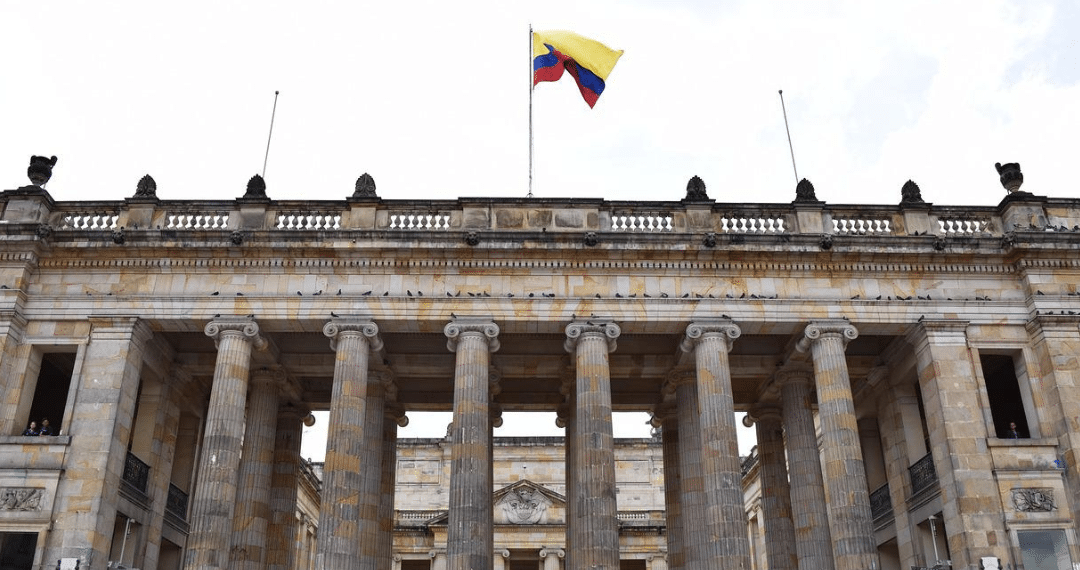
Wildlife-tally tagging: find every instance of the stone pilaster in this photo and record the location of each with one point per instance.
(438, 560)
(666, 418)
(551, 556)
(728, 545)
(895, 441)
(775, 490)
(471, 526)
(813, 542)
(214, 502)
(12, 326)
(850, 523)
(1056, 344)
(338, 543)
(394, 418)
(284, 527)
(162, 452)
(86, 496)
(251, 519)
(971, 507)
(594, 526)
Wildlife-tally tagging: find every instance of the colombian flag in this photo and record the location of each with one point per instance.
(588, 61)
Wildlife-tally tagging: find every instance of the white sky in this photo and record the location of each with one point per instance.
(431, 98)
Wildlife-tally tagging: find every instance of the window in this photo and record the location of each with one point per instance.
(1044, 550)
(1008, 404)
(51, 390)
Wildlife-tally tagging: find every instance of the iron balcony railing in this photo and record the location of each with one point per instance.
(923, 474)
(176, 502)
(136, 473)
(881, 502)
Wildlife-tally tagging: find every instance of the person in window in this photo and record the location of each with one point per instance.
(46, 429)
(1012, 433)
(32, 429)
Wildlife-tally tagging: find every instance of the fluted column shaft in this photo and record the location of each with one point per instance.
(470, 541)
(251, 520)
(775, 491)
(850, 522)
(667, 419)
(280, 552)
(594, 525)
(215, 494)
(728, 544)
(394, 417)
(692, 500)
(809, 511)
(371, 458)
(565, 418)
(338, 543)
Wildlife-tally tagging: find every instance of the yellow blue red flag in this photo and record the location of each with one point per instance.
(588, 61)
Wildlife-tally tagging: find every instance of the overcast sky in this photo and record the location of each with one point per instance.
(431, 98)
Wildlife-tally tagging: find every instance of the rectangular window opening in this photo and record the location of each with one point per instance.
(1044, 550)
(51, 392)
(1006, 399)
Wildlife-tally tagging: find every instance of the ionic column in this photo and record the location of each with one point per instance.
(395, 417)
(728, 545)
(810, 517)
(438, 560)
(251, 520)
(470, 529)
(775, 492)
(370, 499)
(213, 506)
(500, 558)
(594, 526)
(692, 501)
(850, 522)
(666, 418)
(565, 419)
(551, 556)
(338, 543)
(281, 536)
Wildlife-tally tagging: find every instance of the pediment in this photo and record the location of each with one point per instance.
(525, 502)
(521, 503)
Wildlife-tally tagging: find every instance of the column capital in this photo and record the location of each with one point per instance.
(396, 413)
(762, 413)
(483, 326)
(833, 328)
(794, 374)
(365, 328)
(243, 327)
(546, 551)
(562, 415)
(577, 330)
(698, 331)
(678, 377)
(273, 375)
(663, 412)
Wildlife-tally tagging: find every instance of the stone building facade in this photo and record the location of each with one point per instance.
(176, 347)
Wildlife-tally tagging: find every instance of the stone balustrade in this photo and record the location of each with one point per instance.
(30, 205)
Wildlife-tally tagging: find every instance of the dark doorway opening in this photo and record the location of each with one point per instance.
(1003, 390)
(17, 550)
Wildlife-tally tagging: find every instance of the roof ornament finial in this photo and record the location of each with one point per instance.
(1011, 177)
(40, 170)
(695, 190)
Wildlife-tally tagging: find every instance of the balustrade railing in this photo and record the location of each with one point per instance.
(419, 221)
(621, 217)
(641, 222)
(136, 473)
(923, 475)
(881, 502)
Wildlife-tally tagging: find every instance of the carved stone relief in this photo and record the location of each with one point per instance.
(1033, 500)
(21, 498)
(524, 505)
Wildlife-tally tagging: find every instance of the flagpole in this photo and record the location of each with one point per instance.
(530, 111)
